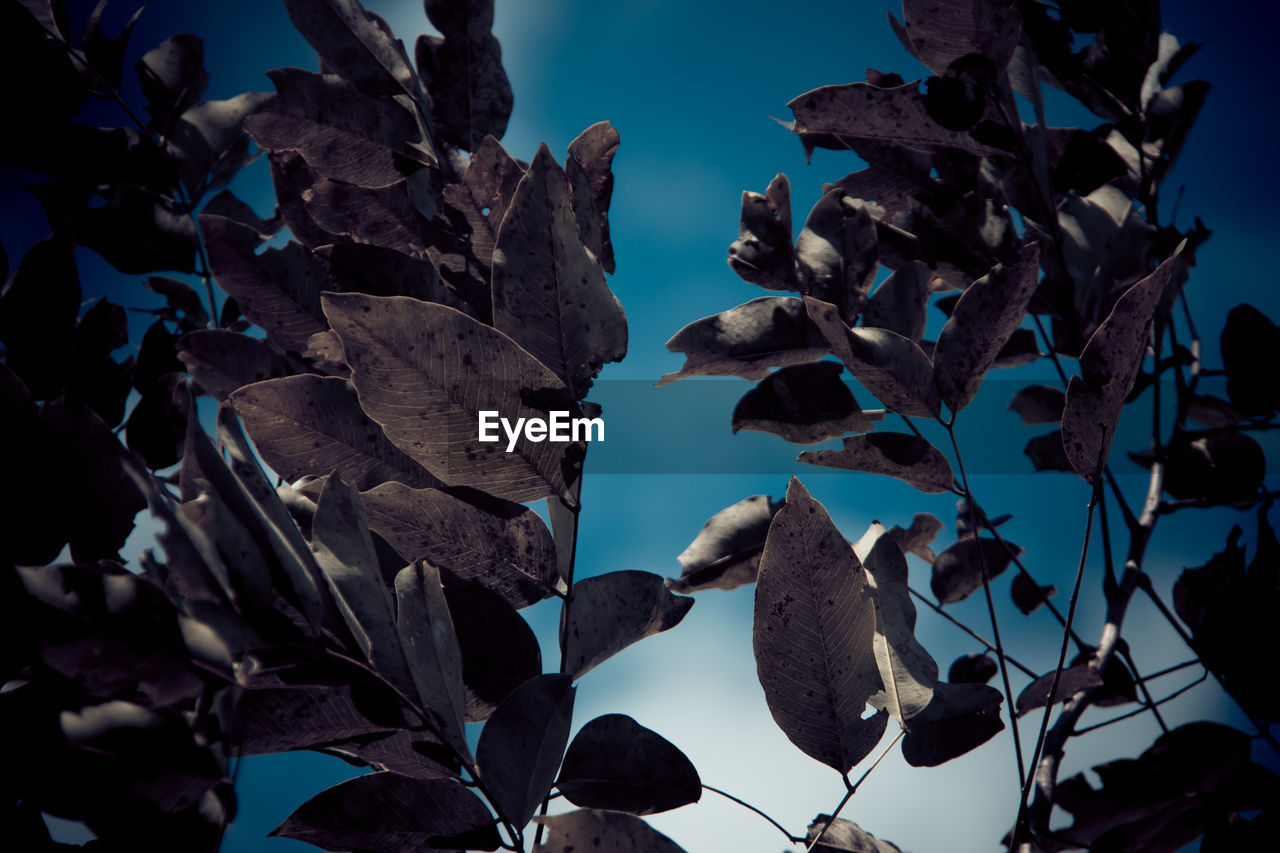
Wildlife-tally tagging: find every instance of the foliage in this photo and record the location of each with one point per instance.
(367, 605)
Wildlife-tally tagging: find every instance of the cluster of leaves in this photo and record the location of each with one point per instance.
(366, 606)
(1010, 229)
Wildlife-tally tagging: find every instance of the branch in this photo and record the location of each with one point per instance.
(794, 839)
(972, 633)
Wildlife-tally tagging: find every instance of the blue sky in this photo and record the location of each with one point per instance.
(692, 87)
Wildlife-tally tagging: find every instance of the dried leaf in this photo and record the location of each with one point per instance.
(844, 836)
(470, 94)
(762, 254)
(803, 403)
(837, 253)
(892, 367)
(612, 831)
(726, 552)
(942, 32)
(897, 454)
(617, 764)
(958, 571)
(814, 635)
(378, 271)
(917, 538)
(960, 718)
(522, 744)
(591, 161)
(613, 611)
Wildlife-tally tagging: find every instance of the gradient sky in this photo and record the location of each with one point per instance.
(692, 86)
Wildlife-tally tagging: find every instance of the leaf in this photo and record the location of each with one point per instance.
(942, 32)
(278, 290)
(1249, 339)
(173, 79)
(899, 303)
(283, 719)
(470, 93)
(897, 454)
(313, 425)
(473, 539)
(844, 836)
(1072, 680)
(431, 649)
(1039, 404)
(343, 134)
(1047, 453)
(522, 744)
(591, 160)
(972, 669)
(207, 144)
(1028, 595)
(157, 426)
(1220, 468)
(762, 254)
(183, 302)
(614, 610)
(892, 367)
(980, 325)
(837, 253)
(106, 55)
(613, 831)
(425, 371)
(393, 813)
(917, 538)
(960, 718)
(772, 331)
(1109, 363)
(222, 361)
(499, 650)
(617, 764)
(549, 293)
(814, 636)
(958, 571)
(907, 671)
(726, 552)
(378, 271)
(38, 308)
(803, 403)
(862, 112)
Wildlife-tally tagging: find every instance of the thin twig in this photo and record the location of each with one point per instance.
(972, 633)
(794, 839)
(851, 789)
(1174, 695)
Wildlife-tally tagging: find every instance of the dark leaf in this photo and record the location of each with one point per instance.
(377, 271)
(157, 426)
(173, 79)
(106, 55)
(1070, 681)
(590, 166)
(98, 379)
(157, 356)
(1028, 595)
(803, 403)
(1118, 686)
(942, 32)
(959, 570)
(207, 144)
(1047, 453)
(1039, 404)
(282, 719)
(522, 744)
(814, 636)
(1208, 410)
(980, 326)
(892, 367)
(972, 669)
(38, 308)
(393, 813)
(844, 836)
(961, 717)
(617, 764)
(614, 610)
(772, 331)
(474, 539)
(763, 254)
(837, 254)
(917, 538)
(898, 304)
(726, 552)
(470, 94)
(896, 454)
(613, 831)
(293, 182)
(314, 425)
(222, 361)
(1249, 340)
(499, 650)
(549, 293)
(227, 204)
(184, 304)
(1109, 363)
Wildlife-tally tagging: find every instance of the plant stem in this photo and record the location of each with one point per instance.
(1174, 695)
(794, 839)
(851, 789)
(972, 633)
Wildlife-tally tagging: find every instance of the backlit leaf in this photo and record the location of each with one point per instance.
(803, 403)
(772, 331)
(958, 571)
(726, 552)
(763, 254)
(844, 836)
(897, 454)
(917, 538)
(837, 253)
(590, 164)
(617, 764)
(470, 94)
(613, 831)
(1070, 680)
(614, 610)
(898, 304)
(942, 32)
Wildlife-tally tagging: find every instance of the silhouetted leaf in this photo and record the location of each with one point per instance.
(917, 538)
(97, 378)
(1047, 453)
(499, 650)
(1208, 410)
(343, 134)
(896, 454)
(837, 254)
(470, 93)
(425, 371)
(613, 831)
(844, 836)
(1249, 340)
(314, 425)
(393, 813)
(898, 304)
(378, 271)
(173, 79)
(222, 361)
(942, 32)
(590, 166)
(617, 764)
(473, 538)
(1108, 365)
(157, 426)
(892, 367)
(980, 325)
(281, 719)
(431, 649)
(1219, 468)
(814, 636)
(1028, 595)
(38, 310)
(614, 610)
(907, 671)
(185, 308)
(279, 289)
(958, 571)
(106, 55)
(961, 717)
(763, 254)
(207, 144)
(803, 403)
(1039, 404)
(978, 668)
(522, 744)
(549, 293)
(1070, 681)
(726, 552)
(772, 331)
